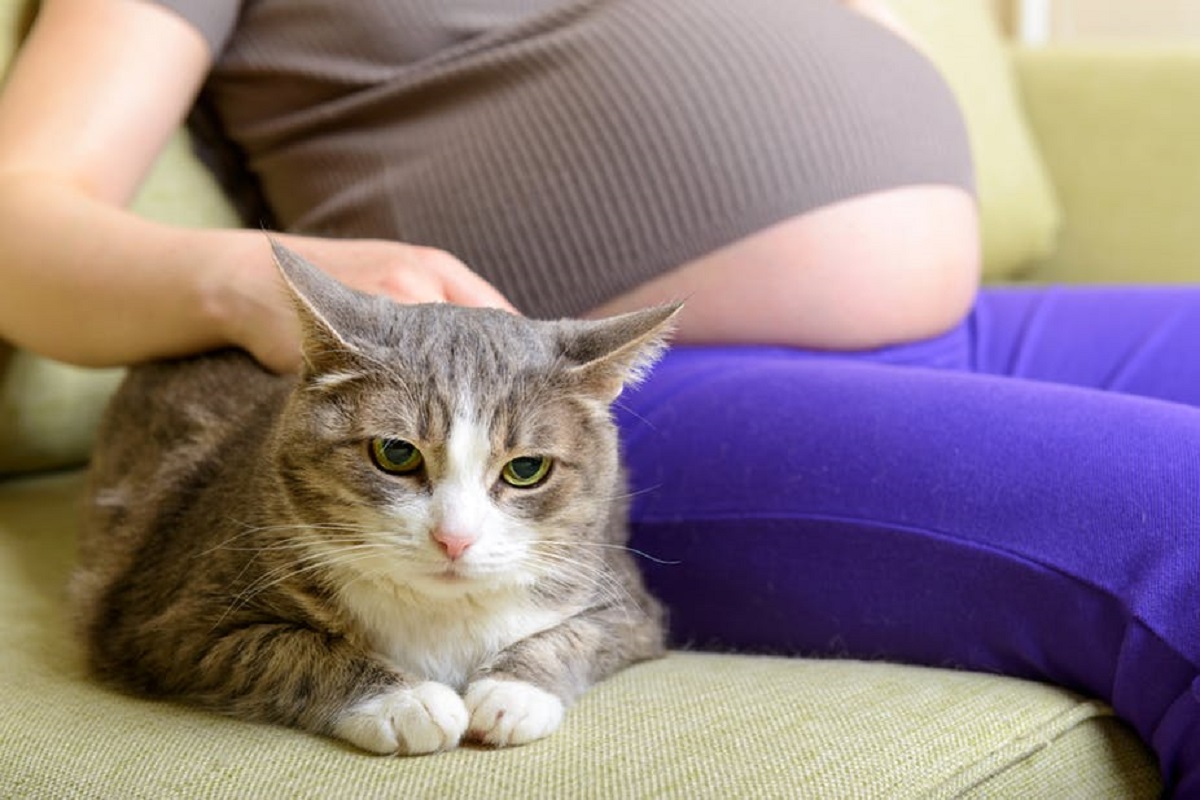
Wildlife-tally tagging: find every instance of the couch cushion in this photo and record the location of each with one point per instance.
(48, 411)
(691, 725)
(1019, 213)
(13, 15)
(1119, 126)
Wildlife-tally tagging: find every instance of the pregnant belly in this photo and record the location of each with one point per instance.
(873, 270)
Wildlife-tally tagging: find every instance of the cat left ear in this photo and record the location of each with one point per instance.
(321, 304)
(616, 352)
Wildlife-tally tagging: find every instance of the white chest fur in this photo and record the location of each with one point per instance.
(444, 639)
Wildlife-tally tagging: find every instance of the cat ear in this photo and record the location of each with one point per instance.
(612, 353)
(322, 305)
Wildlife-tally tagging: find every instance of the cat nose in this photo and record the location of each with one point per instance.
(453, 544)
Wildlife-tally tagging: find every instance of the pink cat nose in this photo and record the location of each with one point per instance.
(453, 544)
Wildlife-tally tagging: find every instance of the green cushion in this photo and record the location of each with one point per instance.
(1120, 127)
(1019, 213)
(13, 13)
(48, 411)
(692, 725)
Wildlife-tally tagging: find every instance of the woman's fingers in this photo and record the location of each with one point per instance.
(462, 286)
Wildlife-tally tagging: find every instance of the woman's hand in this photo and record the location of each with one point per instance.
(257, 315)
(95, 93)
(406, 273)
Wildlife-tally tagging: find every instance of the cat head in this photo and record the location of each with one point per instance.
(449, 450)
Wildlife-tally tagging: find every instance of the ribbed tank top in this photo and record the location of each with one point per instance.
(568, 150)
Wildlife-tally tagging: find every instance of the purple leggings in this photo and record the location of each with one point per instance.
(1020, 495)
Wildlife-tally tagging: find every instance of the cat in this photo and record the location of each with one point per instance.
(419, 540)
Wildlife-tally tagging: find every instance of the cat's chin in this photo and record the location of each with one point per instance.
(456, 582)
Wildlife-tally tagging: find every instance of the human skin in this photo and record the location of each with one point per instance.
(82, 118)
(85, 281)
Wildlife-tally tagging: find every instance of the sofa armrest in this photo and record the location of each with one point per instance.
(1119, 128)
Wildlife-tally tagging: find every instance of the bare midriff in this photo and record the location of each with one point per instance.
(884, 268)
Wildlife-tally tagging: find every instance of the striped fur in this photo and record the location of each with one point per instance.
(243, 552)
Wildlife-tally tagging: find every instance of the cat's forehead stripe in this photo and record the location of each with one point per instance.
(464, 407)
(462, 507)
(468, 449)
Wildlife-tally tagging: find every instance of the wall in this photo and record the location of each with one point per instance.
(1075, 20)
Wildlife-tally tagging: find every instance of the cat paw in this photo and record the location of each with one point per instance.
(423, 719)
(508, 712)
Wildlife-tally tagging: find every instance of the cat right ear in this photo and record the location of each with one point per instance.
(612, 353)
(321, 304)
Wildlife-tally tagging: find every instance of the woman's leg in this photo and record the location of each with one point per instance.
(842, 506)
(1143, 341)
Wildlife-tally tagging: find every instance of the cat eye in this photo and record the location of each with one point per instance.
(396, 456)
(526, 471)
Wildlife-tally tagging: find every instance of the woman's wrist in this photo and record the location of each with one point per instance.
(212, 282)
(237, 294)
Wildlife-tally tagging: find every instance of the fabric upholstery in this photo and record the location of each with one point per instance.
(48, 410)
(1119, 128)
(692, 725)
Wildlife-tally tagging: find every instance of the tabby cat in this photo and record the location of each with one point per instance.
(417, 540)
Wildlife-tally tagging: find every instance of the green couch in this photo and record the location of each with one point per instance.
(1088, 170)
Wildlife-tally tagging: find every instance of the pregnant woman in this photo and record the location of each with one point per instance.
(852, 449)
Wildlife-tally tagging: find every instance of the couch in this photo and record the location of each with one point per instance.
(1088, 170)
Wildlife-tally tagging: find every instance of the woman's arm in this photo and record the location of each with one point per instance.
(94, 95)
(90, 102)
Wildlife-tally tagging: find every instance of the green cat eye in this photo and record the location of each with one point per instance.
(396, 456)
(526, 471)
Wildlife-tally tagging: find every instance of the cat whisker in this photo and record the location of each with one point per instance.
(619, 405)
(565, 556)
(343, 556)
(610, 588)
(293, 542)
(309, 552)
(635, 493)
(248, 526)
(626, 548)
(302, 543)
(250, 530)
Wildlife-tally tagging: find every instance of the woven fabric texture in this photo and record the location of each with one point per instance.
(691, 725)
(1130, 183)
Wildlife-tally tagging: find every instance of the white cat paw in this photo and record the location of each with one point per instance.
(423, 719)
(508, 712)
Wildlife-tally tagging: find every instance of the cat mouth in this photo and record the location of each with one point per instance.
(461, 575)
(453, 573)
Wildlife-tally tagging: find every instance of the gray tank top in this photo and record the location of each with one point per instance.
(568, 150)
